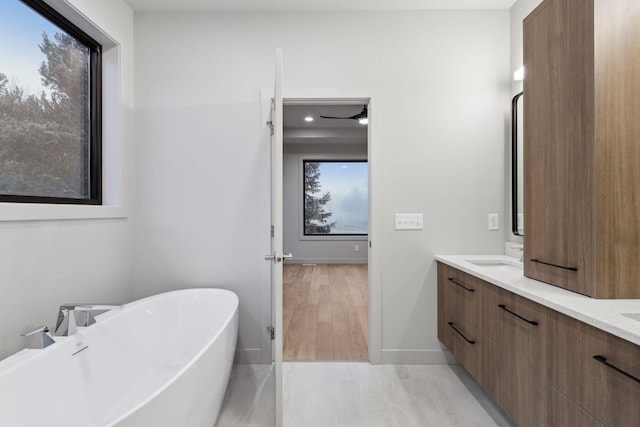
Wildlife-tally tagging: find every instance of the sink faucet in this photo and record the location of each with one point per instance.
(521, 249)
(39, 337)
(67, 325)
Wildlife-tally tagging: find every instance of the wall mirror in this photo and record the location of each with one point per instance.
(517, 163)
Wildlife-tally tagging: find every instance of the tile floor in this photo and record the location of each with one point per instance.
(333, 394)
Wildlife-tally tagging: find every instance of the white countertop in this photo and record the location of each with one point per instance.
(605, 314)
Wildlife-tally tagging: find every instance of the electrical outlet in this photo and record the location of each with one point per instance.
(494, 223)
(356, 248)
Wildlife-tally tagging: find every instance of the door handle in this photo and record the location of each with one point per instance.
(276, 259)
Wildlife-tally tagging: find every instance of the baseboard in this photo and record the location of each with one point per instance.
(254, 356)
(417, 357)
(327, 261)
(250, 356)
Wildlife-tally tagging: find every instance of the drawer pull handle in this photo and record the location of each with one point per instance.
(461, 334)
(554, 265)
(531, 322)
(461, 285)
(603, 360)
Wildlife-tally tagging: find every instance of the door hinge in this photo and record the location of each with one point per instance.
(273, 231)
(272, 331)
(271, 126)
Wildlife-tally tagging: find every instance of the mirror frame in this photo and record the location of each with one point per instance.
(514, 165)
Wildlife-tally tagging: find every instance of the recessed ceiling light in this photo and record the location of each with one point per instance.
(308, 119)
(363, 121)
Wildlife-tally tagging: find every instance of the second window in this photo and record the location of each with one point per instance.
(335, 197)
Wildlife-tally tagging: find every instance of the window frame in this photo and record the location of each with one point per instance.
(95, 112)
(340, 236)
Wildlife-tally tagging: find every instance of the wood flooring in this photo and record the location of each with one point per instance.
(325, 312)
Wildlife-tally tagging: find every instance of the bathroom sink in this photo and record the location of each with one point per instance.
(497, 264)
(634, 316)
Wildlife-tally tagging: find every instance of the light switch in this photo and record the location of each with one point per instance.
(409, 222)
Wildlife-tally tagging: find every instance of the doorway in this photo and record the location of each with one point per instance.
(326, 212)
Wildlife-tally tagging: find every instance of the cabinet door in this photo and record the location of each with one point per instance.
(611, 378)
(558, 149)
(522, 360)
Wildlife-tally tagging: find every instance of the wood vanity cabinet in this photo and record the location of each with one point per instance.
(502, 351)
(522, 360)
(595, 376)
(541, 367)
(581, 151)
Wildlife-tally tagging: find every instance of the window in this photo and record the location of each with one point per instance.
(50, 108)
(335, 198)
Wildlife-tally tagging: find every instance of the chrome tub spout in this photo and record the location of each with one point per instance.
(67, 324)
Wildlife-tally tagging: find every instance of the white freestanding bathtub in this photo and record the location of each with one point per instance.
(160, 361)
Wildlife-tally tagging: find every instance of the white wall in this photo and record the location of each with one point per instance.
(202, 208)
(335, 249)
(518, 12)
(46, 263)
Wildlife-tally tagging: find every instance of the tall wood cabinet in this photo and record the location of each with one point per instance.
(582, 156)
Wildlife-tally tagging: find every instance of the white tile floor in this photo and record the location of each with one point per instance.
(332, 394)
(250, 398)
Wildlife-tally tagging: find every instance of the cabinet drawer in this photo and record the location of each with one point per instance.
(522, 342)
(463, 338)
(470, 297)
(612, 384)
(598, 371)
(473, 350)
(480, 305)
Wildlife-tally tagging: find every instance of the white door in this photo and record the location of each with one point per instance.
(276, 256)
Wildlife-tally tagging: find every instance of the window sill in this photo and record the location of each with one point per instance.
(359, 237)
(38, 212)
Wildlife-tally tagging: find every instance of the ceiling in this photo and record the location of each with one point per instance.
(329, 131)
(314, 5)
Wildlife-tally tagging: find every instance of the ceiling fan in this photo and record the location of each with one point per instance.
(361, 117)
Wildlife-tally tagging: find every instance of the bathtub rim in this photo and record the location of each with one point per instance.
(192, 360)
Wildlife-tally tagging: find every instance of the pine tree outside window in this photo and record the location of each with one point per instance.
(50, 108)
(335, 198)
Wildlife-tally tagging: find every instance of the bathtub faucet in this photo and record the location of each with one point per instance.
(39, 337)
(67, 325)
